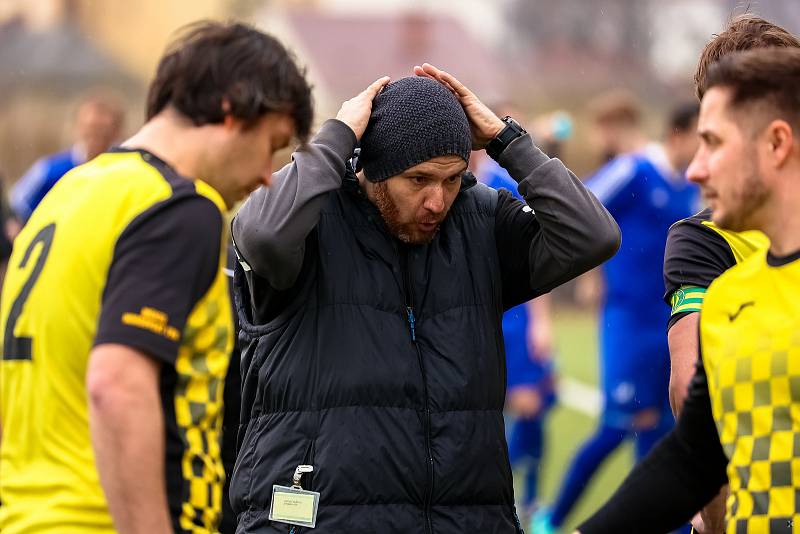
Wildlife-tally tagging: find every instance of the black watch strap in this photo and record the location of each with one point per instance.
(496, 146)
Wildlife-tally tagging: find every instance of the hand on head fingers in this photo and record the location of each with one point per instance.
(420, 71)
(356, 111)
(376, 86)
(447, 79)
(483, 122)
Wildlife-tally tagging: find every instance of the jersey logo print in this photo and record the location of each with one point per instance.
(733, 316)
(154, 320)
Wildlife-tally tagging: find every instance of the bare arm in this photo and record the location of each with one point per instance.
(683, 354)
(684, 351)
(540, 329)
(127, 429)
(589, 288)
(540, 307)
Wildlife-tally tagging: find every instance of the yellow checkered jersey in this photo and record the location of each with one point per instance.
(122, 250)
(750, 338)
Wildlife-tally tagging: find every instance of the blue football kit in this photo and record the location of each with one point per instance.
(523, 369)
(31, 188)
(645, 197)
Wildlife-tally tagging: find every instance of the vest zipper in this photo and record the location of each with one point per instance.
(408, 295)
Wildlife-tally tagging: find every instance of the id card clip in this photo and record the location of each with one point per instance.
(292, 504)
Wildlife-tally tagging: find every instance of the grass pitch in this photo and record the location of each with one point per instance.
(576, 357)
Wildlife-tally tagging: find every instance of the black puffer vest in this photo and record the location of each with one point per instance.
(387, 374)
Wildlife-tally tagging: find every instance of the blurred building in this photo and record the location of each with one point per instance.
(536, 54)
(346, 50)
(52, 51)
(133, 33)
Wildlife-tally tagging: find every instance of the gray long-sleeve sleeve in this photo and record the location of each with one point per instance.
(270, 229)
(570, 234)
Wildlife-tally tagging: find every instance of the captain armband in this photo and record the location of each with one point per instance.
(687, 299)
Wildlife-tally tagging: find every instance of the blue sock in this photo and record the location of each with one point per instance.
(583, 467)
(531, 483)
(525, 447)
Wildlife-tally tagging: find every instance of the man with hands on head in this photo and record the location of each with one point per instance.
(371, 305)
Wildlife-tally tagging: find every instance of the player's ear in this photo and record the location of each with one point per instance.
(780, 140)
(228, 120)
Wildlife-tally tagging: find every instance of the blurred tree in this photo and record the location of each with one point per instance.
(245, 9)
(611, 28)
(783, 12)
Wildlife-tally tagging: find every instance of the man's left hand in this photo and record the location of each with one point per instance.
(484, 124)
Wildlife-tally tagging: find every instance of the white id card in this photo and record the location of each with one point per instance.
(294, 506)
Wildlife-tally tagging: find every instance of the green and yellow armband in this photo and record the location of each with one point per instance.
(687, 299)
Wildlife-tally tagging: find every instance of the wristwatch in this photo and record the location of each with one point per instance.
(512, 130)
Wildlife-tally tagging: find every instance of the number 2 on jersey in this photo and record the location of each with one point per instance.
(19, 348)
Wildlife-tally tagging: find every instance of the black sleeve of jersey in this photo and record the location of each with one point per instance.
(514, 226)
(164, 262)
(680, 475)
(694, 255)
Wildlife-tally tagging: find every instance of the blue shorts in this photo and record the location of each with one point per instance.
(635, 367)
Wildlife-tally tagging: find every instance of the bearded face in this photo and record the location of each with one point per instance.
(727, 165)
(415, 203)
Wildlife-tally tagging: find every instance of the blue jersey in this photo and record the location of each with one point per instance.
(29, 190)
(522, 366)
(496, 177)
(645, 200)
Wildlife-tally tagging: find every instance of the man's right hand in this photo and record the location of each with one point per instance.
(711, 519)
(356, 111)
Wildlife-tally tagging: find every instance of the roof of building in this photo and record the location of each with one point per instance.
(347, 52)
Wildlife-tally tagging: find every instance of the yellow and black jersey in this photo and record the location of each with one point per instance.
(740, 423)
(122, 250)
(750, 340)
(697, 252)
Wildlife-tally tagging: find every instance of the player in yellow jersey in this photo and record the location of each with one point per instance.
(115, 317)
(741, 420)
(698, 251)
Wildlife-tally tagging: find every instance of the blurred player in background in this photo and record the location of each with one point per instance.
(528, 334)
(98, 124)
(739, 422)
(698, 251)
(644, 188)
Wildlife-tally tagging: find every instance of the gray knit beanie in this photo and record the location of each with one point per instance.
(413, 120)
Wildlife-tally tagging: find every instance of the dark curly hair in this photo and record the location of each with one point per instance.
(213, 69)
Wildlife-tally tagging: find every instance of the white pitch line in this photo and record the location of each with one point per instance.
(579, 396)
